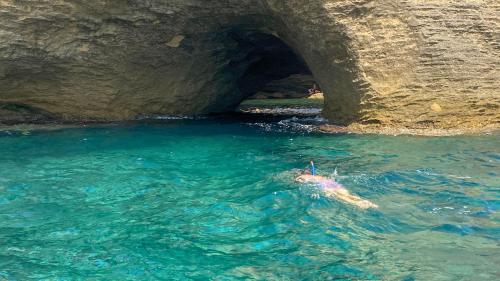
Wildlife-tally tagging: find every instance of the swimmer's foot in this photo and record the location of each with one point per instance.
(365, 204)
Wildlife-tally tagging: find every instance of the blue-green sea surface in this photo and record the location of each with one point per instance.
(216, 200)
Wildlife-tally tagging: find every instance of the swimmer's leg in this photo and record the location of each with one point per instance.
(344, 195)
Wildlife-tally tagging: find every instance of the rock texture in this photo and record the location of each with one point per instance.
(294, 86)
(407, 63)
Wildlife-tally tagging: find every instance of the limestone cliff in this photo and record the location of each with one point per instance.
(403, 63)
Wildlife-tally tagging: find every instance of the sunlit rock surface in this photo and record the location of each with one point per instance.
(406, 63)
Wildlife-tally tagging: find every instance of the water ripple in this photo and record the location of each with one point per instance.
(218, 201)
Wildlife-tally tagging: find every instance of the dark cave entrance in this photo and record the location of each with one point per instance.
(266, 72)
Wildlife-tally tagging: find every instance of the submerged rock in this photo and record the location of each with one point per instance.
(392, 63)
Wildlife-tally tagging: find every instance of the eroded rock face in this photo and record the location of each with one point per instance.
(398, 63)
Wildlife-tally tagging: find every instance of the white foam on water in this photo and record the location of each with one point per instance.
(283, 111)
(166, 117)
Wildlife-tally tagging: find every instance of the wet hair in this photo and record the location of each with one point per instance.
(300, 172)
(306, 171)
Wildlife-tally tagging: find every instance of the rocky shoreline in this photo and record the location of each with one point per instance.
(27, 128)
(397, 131)
(265, 111)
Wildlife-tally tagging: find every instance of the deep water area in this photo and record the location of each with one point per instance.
(215, 199)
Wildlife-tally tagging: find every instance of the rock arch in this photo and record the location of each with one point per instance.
(391, 63)
(117, 61)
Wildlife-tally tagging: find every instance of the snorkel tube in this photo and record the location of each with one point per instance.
(313, 169)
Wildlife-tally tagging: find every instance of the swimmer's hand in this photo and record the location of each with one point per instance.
(300, 179)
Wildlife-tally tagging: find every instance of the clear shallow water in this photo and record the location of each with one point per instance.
(215, 200)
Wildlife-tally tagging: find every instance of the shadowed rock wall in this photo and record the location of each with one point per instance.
(403, 63)
(295, 86)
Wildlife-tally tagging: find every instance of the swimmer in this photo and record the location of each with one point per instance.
(333, 189)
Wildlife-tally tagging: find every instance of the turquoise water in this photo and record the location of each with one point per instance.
(216, 200)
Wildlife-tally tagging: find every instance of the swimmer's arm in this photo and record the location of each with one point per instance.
(300, 179)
